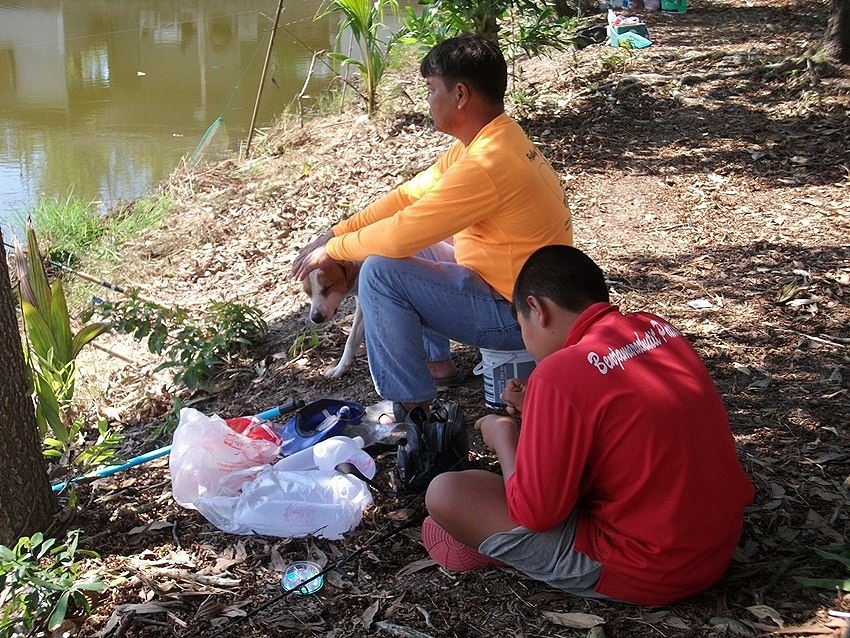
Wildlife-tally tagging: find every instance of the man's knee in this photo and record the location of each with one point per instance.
(373, 265)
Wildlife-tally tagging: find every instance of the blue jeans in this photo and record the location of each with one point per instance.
(414, 306)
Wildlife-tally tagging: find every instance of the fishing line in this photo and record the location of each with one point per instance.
(213, 128)
(95, 280)
(379, 537)
(324, 62)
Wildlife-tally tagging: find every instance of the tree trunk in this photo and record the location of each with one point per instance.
(26, 501)
(836, 40)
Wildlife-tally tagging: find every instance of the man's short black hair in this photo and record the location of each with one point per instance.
(472, 59)
(563, 274)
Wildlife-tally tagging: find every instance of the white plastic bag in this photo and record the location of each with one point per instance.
(206, 455)
(282, 503)
(229, 479)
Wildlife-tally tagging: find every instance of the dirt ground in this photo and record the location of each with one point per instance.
(712, 187)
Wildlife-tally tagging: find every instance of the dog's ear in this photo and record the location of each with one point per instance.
(308, 283)
(351, 271)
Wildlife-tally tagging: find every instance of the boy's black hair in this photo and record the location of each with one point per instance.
(472, 59)
(563, 274)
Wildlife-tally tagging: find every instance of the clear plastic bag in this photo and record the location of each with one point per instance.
(228, 477)
(283, 503)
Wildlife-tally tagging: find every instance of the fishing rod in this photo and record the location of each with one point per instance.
(304, 585)
(263, 77)
(271, 413)
(95, 280)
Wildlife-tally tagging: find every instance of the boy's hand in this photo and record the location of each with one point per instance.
(500, 433)
(513, 396)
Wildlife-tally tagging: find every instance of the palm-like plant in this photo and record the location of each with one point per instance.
(364, 19)
(54, 347)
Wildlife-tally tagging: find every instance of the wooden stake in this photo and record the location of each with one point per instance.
(263, 79)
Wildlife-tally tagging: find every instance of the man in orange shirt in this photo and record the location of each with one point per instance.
(442, 250)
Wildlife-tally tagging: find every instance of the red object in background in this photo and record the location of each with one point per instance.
(254, 428)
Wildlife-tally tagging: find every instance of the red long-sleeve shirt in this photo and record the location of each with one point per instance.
(625, 424)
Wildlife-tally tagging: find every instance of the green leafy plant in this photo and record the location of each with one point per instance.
(841, 555)
(165, 430)
(90, 454)
(530, 25)
(364, 20)
(616, 60)
(41, 583)
(304, 342)
(535, 29)
(53, 344)
(426, 28)
(195, 348)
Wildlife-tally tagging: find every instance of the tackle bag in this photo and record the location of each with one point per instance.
(435, 443)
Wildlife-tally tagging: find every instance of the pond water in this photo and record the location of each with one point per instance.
(101, 99)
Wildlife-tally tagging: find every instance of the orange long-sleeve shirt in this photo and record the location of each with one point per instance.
(498, 198)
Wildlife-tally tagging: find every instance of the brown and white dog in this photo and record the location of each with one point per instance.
(327, 289)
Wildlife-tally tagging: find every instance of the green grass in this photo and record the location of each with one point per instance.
(74, 230)
(68, 227)
(146, 213)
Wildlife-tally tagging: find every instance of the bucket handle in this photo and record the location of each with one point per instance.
(481, 368)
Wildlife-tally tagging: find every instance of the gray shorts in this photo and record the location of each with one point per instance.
(549, 557)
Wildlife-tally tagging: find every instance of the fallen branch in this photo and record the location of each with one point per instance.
(698, 57)
(401, 631)
(149, 571)
(809, 61)
(769, 69)
(821, 339)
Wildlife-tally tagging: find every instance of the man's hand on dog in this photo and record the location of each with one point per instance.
(312, 257)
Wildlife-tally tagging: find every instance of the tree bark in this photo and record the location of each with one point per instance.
(836, 41)
(26, 500)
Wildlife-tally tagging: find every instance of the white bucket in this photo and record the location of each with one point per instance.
(498, 366)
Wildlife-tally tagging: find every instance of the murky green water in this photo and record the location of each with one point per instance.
(102, 98)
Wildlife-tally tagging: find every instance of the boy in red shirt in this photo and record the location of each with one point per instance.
(623, 483)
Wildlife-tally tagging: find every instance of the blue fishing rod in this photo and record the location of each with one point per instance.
(270, 414)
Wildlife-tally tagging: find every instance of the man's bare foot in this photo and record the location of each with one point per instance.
(445, 373)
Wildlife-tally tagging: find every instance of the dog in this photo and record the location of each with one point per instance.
(327, 289)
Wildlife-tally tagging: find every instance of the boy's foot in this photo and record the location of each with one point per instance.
(449, 553)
